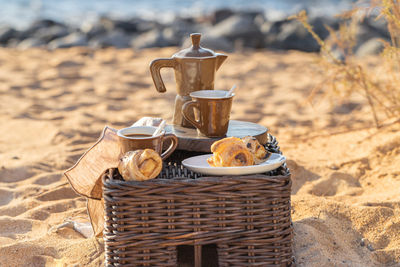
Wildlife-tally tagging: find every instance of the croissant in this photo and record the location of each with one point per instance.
(140, 165)
(230, 152)
(259, 152)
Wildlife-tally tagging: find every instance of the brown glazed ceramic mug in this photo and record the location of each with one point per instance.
(140, 137)
(212, 109)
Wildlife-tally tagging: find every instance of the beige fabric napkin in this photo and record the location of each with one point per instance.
(85, 175)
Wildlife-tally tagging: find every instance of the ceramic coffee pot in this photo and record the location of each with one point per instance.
(195, 69)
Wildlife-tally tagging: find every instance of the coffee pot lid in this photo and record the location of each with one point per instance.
(195, 50)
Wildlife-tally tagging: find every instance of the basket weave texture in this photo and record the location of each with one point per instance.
(247, 218)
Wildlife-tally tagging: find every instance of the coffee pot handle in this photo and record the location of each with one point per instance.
(155, 67)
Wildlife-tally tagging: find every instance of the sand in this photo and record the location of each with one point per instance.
(54, 105)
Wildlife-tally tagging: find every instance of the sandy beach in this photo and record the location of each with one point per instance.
(54, 105)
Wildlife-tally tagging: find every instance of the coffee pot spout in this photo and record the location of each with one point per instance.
(220, 59)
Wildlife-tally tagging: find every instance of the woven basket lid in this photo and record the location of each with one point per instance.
(195, 50)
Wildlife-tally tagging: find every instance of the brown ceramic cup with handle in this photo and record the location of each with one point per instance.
(140, 137)
(212, 110)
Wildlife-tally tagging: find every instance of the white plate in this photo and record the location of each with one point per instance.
(199, 164)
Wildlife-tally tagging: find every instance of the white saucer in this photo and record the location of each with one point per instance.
(199, 164)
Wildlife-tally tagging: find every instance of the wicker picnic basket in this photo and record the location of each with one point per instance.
(184, 219)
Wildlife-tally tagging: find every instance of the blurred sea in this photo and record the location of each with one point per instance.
(20, 13)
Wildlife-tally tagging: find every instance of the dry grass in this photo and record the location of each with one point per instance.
(345, 76)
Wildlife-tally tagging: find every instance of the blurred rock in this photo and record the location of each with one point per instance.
(259, 20)
(239, 27)
(134, 25)
(293, 35)
(92, 29)
(13, 43)
(379, 27)
(177, 30)
(145, 25)
(43, 23)
(129, 26)
(113, 24)
(272, 27)
(116, 38)
(223, 29)
(30, 43)
(211, 42)
(253, 14)
(73, 39)
(171, 37)
(373, 46)
(364, 33)
(153, 38)
(319, 25)
(270, 30)
(220, 14)
(6, 33)
(51, 33)
(35, 26)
